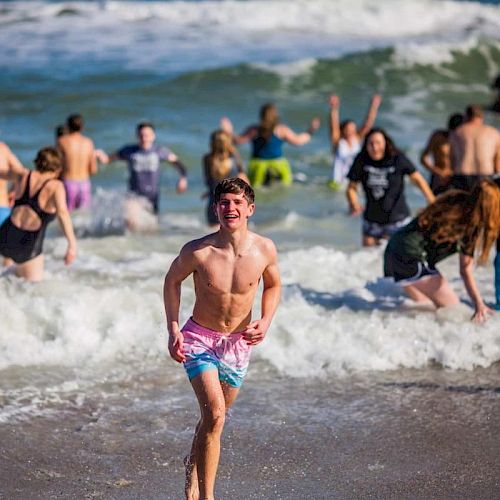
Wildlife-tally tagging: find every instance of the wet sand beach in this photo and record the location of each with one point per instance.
(420, 434)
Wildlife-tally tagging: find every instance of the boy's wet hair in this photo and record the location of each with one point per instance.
(142, 125)
(234, 185)
(74, 123)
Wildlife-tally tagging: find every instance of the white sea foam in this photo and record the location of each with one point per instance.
(183, 35)
(337, 315)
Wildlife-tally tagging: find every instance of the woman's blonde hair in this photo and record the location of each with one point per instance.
(471, 218)
(221, 151)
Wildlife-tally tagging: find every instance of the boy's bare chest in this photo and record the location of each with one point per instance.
(238, 274)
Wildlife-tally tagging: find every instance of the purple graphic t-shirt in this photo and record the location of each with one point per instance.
(144, 169)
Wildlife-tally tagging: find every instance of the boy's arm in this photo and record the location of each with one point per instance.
(256, 331)
(182, 183)
(92, 159)
(180, 269)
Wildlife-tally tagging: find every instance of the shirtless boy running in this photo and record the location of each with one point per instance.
(216, 341)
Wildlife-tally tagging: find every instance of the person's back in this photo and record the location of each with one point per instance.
(78, 155)
(79, 163)
(475, 147)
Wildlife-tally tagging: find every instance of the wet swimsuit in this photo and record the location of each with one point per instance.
(207, 349)
(19, 244)
(267, 162)
(78, 194)
(411, 254)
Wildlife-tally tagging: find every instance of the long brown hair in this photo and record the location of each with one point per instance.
(268, 120)
(471, 218)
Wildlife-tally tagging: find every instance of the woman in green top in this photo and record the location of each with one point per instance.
(457, 221)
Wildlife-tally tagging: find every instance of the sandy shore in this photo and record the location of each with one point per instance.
(390, 438)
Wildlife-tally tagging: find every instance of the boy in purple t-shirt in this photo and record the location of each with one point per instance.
(143, 161)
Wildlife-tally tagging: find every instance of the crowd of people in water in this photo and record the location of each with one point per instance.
(462, 215)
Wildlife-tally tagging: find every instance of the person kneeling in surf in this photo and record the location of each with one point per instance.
(457, 221)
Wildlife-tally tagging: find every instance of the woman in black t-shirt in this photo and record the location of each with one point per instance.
(381, 168)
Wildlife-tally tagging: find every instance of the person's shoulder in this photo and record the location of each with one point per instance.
(128, 149)
(265, 245)
(87, 141)
(199, 245)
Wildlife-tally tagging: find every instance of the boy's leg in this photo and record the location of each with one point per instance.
(206, 444)
(191, 487)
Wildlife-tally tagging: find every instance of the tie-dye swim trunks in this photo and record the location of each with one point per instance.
(207, 349)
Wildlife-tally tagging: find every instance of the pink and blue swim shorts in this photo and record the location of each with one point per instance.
(207, 349)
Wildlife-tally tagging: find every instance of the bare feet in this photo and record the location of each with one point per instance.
(191, 485)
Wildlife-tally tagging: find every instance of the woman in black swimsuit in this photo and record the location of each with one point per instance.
(40, 197)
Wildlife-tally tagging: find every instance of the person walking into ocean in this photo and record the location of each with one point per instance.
(215, 343)
(436, 155)
(346, 138)
(381, 170)
(268, 136)
(79, 163)
(40, 198)
(143, 160)
(458, 221)
(475, 150)
(221, 162)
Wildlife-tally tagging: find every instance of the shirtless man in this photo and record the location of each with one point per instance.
(9, 166)
(436, 155)
(475, 150)
(79, 163)
(215, 343)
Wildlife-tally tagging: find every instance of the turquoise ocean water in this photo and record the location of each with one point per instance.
(183, 65)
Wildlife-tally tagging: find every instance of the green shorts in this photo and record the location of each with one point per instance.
(261, 171)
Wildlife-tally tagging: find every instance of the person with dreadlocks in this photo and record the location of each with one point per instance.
(458, 221)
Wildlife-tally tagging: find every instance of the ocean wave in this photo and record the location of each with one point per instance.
(178, 36)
